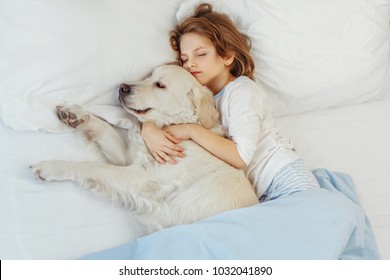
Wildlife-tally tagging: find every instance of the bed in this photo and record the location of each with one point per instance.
(325, 65)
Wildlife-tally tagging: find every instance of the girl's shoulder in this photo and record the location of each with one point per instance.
(243, 80)
(244, 86)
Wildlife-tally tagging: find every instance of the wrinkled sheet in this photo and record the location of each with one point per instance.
(327, 223)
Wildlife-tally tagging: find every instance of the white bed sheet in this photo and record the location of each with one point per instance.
(62, 221)
(41, 220)
(337, 52)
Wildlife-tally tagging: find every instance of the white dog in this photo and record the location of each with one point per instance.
(198, 186)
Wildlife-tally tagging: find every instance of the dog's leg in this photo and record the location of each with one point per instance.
(97, 131)
(127, 186)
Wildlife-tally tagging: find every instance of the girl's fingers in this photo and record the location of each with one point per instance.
(158, 158)
(167, 158)
(163, 158)
(175, 153)
(173, 139)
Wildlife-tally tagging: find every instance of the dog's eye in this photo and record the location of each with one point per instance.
(160, 85)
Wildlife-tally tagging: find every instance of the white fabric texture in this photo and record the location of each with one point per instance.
(246, 116)
(57, 52)
(63, 221)
(310, 56)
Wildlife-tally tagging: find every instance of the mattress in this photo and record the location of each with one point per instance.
(41, 220)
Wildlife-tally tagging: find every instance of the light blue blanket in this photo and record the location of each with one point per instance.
(327, 223)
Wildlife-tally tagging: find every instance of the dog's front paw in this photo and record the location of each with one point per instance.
(72, 116)
(49, 170)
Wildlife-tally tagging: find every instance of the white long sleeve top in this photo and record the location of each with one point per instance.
(247, 120)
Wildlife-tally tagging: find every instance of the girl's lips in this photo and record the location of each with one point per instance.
(195, 73)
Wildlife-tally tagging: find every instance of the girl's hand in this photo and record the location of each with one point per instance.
(222, 148)
(180, 131)
(161, 144)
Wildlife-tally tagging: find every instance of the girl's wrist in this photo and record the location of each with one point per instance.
(146, 127)
(194, 130)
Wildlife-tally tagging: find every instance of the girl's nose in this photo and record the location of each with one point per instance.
(191, 64)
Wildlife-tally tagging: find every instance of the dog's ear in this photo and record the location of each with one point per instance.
(204, 106)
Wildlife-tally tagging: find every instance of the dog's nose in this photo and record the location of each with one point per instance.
(124, 89)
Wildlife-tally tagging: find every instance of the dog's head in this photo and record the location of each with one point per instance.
(171, 95)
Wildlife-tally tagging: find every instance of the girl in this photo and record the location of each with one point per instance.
(217, 54)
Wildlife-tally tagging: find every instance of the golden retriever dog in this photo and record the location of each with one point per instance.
(161, 195)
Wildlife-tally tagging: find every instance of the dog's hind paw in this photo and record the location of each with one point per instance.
(72, 116)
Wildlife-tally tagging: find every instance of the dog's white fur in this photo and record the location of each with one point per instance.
(163, 195)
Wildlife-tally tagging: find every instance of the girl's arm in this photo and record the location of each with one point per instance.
(219, 146)
(161, 144)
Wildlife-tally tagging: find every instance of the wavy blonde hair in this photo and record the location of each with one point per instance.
(220, 29)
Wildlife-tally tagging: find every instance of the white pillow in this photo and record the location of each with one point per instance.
(312, 55)
(71, 51)
(309, 54)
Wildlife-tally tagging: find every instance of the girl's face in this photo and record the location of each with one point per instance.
(200, 57)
